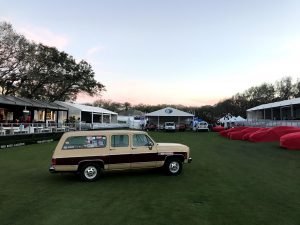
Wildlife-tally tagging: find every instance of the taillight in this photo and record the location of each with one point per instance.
(53, 161)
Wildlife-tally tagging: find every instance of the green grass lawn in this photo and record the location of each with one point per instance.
(228, 182)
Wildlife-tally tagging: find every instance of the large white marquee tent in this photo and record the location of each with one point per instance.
(89, 114)
(281, 110)
(169, 114)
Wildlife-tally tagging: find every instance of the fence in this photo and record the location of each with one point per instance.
(32, 128)
(272, 123)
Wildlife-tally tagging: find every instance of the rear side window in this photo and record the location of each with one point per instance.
(119, 141)
(84, 142)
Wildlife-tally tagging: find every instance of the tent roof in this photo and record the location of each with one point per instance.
(169, 112)
(288, 102)
(85, 108)
(226, 118)
(232, 119)
(18, 101)
(240, 119)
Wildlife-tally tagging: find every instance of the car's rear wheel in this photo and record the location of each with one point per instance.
(173, 167)
(90, 172)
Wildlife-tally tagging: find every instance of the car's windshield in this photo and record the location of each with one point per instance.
(170, 124)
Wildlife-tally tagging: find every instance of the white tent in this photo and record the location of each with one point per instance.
(225, 119)
(89, 114)
(169, 114)
(232, 119)
(240, 119)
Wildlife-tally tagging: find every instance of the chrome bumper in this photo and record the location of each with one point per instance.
(190, 160)
(52, 169)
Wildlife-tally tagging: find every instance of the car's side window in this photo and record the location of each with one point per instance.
(119, 141)
(141, 140)
(84, 142)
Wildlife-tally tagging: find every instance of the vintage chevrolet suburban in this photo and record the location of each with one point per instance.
(90, 152)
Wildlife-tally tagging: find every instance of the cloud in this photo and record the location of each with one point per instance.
(44, 36)
(94, 50)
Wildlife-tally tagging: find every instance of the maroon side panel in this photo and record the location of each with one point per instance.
(76, 160)
(114, 159)
(147, 157)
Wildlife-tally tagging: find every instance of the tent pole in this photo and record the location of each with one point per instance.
(272, 114)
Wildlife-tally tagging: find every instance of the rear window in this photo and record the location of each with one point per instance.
(119, 141)
(84, 142)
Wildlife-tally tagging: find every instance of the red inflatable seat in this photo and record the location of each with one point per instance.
(238, 135)
(272, 134)
(217, 128)
(225, 132)
(236, 129)
(290, 141)
(247, 135)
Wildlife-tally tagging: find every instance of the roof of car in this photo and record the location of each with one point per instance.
(95, 132)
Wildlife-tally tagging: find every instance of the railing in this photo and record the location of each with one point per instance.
(31, 128)
(272, 123)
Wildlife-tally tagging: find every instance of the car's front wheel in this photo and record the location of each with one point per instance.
(173, 167)
(90, 172)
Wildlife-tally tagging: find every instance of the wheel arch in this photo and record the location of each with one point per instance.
(175, 156)
(95, 161)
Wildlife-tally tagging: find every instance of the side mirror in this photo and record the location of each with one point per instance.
(150, 145)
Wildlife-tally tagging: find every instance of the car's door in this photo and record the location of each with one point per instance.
(119, 152)
(144, 152)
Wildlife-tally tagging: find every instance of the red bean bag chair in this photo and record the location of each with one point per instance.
(272, 134)
(238, 135)
(290, 141)
(217, 128)
(247, 135)
(236, 129)
(225, 132)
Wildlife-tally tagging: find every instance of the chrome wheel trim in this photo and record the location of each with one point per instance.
(174, 167)
(90, 172)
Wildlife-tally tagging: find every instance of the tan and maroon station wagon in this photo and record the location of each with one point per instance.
(90, 152)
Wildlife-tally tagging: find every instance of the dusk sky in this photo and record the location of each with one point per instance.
(168, 51)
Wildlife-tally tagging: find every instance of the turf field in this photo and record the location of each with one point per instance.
(228, 182)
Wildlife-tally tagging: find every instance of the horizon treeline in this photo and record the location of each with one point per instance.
(237, 105)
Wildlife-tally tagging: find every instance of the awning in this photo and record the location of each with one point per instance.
(86, 108)
(19, 101)
(294, 101)
(169, 112)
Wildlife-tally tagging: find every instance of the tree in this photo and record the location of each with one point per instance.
(108, 104)
(296, 89)
(284, 89)
(127, 105)
(13, 61)
(40, 72)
